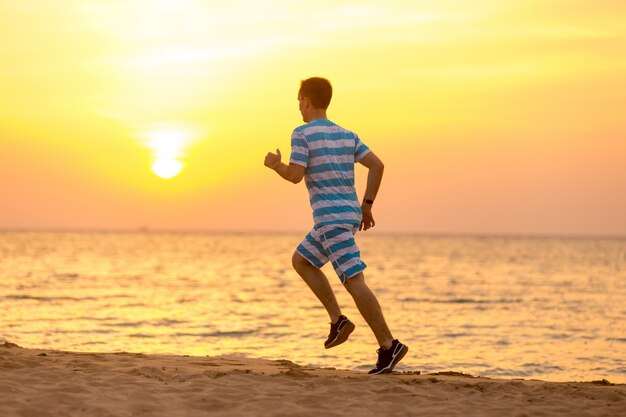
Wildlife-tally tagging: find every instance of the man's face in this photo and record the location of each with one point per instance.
(302, 105)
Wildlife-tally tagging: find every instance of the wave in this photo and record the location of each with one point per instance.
(461, 300)
(218, 334)
(46, 299)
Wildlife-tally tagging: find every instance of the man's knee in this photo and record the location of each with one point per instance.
(355, 283)
(299, 262)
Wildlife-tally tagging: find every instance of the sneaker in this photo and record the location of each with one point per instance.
(339, 332)
(388, 358)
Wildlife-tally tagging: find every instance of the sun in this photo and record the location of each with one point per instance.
(167, 168)
(168, 144)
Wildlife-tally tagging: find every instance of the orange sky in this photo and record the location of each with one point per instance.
(491, 117)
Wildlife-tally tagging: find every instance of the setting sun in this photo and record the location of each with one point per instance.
(168, 145)
(167, 168)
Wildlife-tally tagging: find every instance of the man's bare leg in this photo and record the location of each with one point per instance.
(368, 306)
(317, 281)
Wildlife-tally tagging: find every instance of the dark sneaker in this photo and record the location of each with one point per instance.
(388, 358)
(339, 332)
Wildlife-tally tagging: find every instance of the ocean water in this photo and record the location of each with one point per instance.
(515, 307)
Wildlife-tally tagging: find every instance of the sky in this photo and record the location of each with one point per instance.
(491, 117)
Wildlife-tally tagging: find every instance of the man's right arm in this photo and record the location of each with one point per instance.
(374, 178)
(292, 172)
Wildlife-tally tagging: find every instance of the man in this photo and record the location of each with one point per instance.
(324, 154)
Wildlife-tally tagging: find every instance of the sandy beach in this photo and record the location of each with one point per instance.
(41, 383)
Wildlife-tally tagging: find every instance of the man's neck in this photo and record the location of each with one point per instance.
(317, 114)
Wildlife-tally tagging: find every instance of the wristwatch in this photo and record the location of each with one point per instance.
(368, 201)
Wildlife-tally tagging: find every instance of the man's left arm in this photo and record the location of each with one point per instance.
(292, 172)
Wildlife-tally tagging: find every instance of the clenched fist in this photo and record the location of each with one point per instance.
(272, 159)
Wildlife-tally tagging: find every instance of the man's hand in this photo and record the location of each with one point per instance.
(292, 172)
(368, 220)
(272, 160)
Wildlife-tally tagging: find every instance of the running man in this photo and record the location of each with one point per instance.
(324, 154)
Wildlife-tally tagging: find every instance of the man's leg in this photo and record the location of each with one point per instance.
(317, 281)
(369, 308)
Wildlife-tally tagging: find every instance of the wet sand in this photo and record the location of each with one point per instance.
(44, 383)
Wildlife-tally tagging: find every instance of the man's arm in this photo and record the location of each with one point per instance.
(292, 172)
(374, 178)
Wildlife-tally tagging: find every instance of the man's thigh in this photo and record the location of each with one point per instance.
(312, 250)
(341, 249)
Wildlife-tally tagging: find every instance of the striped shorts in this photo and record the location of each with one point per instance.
(333, 243)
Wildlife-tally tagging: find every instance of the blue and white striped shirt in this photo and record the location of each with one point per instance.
(329, 152)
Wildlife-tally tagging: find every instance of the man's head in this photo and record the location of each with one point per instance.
(314, 97)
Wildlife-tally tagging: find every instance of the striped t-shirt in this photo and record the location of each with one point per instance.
(329, 152)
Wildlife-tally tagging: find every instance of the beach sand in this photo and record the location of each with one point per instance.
(40, 383)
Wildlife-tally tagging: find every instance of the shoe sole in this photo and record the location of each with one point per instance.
(403, 351)
(342, 336)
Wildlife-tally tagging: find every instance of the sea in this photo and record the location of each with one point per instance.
(548, 308)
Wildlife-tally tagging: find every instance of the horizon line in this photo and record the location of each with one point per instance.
(145, 229)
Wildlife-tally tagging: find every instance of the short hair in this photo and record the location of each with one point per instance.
(318, 90)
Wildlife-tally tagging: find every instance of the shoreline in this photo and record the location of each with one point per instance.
(42, 382)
